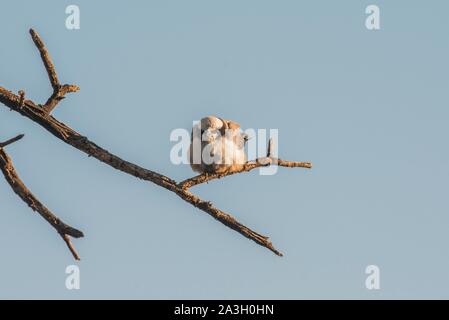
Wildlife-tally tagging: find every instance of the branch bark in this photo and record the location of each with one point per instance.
(17, 185)
(41, 115)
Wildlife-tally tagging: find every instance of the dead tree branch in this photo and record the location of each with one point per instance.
(59, 91)
(248, 166)
(11, 176)
(41, 115)
(10, 141)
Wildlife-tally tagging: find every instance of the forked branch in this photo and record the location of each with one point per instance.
(41, 115)
(59, 91)
(11, 176)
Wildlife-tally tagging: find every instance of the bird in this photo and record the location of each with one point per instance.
(217, 146)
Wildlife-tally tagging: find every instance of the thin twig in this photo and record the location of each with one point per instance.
(11, 176)
(12, 140)
(45, 59)
(70, 246)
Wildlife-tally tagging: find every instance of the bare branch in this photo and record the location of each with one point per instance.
(11, 176)
(70, 246)
(250, 165)
(42, 116)
(59, 91)
(45, 59)
(226, 219)
(291, 164)
(270, 148)
(12, 140)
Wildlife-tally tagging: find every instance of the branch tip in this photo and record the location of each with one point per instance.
(270, 148)
(69, 244)
(12, 140)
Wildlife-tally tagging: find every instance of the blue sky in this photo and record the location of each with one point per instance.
(368, 108)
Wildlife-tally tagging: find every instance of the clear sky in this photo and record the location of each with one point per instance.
(368, 108)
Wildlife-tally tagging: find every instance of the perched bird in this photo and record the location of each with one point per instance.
(217, 146)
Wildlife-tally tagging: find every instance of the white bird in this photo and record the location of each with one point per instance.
(217, 146)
